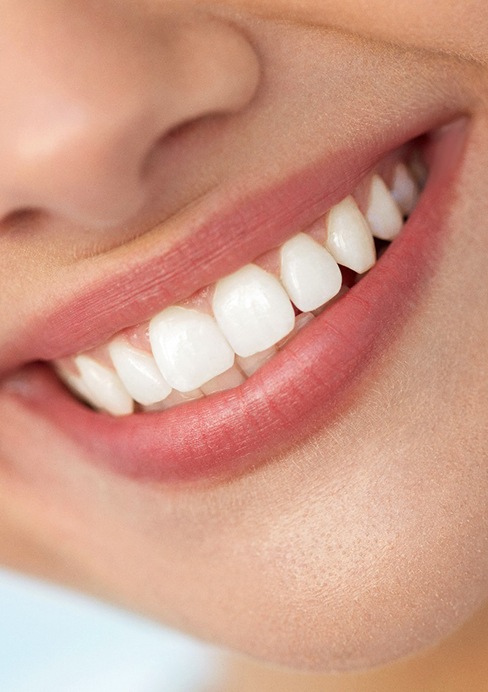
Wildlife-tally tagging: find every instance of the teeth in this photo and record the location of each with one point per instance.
(74, 382)
(188, 347)
(195, 353)
(104, 387)
(404, 189)
(139, 373)
(253, 310)
(309, 273)
(349, 238)
(383, 214)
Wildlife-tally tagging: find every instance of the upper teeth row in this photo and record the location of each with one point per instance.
(250, 311)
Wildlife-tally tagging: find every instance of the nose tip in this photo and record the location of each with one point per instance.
(76, 132)
(76, 166)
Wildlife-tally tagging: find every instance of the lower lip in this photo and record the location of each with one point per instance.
(299, 391)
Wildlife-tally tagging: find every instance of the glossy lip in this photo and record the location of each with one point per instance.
(213, 239)
(303, 386)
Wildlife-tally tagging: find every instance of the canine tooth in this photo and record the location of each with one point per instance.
(349, 238)
(404, 189)
(383, 214)
(104, 387)
(139, 373)
(252, 309)
(309, 273)
(188, 347)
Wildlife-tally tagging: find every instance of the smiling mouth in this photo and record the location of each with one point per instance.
(263, 355)
(224, 333)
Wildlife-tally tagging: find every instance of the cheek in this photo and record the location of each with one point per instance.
(366, 543)
(369, 544)
(435, 25)
(358, 573)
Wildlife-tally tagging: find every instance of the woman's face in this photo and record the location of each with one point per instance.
(330, 511)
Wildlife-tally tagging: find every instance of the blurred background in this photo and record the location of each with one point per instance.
(52, 640)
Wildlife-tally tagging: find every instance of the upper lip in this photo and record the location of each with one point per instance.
(213, 238)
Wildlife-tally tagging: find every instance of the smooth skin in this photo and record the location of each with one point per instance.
(363, 544)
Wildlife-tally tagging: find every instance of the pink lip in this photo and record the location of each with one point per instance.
(300, 388)
(132, 288)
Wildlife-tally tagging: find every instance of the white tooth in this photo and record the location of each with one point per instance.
(188, 347)
(404, 189)
(104, 387)
(383, 213)
(252, 309)
(349, 238)
(74, 382)
(139, 373)
(309, 273)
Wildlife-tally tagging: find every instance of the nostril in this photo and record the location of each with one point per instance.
(186, 126)
(20, 218)
(177, 136)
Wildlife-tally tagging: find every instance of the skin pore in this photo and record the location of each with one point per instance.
(364, 539)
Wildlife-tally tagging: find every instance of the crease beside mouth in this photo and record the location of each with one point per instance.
(224, 333)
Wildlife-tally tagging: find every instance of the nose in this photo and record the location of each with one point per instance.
(89, 91)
